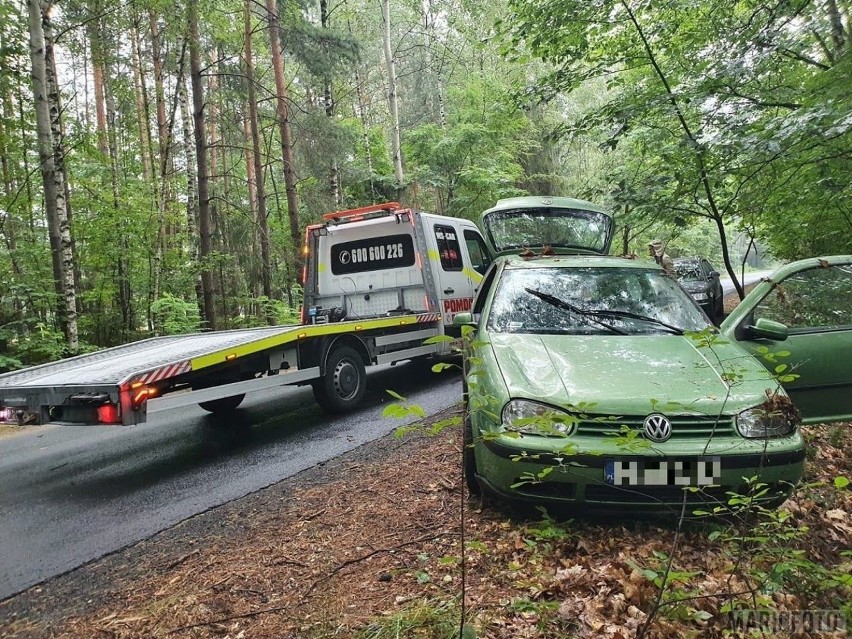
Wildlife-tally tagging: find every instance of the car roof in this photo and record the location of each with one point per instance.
(575, 261)
(685, 260)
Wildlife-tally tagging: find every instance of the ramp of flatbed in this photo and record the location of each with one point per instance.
(113, 366)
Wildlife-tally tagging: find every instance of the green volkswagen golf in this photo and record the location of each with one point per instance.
(598, 381)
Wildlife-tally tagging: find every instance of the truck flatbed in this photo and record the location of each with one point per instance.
(130, 374)
(147, 360)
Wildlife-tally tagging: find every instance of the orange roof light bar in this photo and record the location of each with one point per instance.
(373, 208)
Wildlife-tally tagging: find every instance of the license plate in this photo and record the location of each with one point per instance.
(701, 471)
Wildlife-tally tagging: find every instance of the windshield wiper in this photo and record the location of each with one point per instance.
(642, 318)
(565, 306)
(547, 297)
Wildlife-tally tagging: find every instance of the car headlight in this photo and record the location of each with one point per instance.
(758, 423)
(700, 297)
(525, 416)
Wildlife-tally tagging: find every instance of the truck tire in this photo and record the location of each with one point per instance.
(344, 383)
(469, 455)
(223, 404)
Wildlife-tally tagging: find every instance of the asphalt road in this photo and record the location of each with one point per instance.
(750, 278)
(71, 494)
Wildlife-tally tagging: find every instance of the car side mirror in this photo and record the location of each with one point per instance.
(768, 329)
(713, 274)
(463, 319)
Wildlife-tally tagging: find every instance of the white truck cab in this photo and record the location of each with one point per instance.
(385, 260)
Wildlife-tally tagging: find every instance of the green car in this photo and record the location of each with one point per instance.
(597, 381)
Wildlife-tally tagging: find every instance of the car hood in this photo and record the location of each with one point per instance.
(628, 375)
(693, 286)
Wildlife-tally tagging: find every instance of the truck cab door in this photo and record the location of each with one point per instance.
(457, 276)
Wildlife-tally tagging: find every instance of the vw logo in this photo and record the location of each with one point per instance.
(657, 428)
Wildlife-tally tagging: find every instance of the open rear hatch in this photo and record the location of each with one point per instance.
(566, 225)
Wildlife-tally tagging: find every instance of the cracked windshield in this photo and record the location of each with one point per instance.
(647, 296)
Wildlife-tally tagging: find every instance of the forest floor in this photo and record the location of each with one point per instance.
(370, 545)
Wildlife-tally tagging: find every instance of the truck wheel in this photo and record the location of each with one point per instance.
(344, 383)
(469, 455)
(223, 404)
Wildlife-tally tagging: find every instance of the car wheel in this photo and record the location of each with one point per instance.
(469, 455)
(223, 404)
(344, 383)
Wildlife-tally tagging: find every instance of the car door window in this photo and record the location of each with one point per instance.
(449, 248)
(812, 300)
(476, 250)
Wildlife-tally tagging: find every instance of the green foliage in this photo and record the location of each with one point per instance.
(735, 116)
(430, 619)
(37, 346)
(466, 166)
(9, 363)
(174, 316)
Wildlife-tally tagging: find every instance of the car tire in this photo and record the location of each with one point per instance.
(344, 383)
(469, 455)
(223, 404)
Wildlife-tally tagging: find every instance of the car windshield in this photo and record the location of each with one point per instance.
(688, 271)
(651, 302)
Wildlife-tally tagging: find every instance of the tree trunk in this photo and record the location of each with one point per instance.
(209, 309)
(161, 186)
(254, 273)
(141, 93)
(257, 169)
(98, 82)
(47, 124)
(284, 126)
(361, 113)
(328, 99)
(58, 139)
(192, 230)
(8, 223)
(396, 146)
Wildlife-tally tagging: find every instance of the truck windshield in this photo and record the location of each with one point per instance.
(629, 301)
(574, 229)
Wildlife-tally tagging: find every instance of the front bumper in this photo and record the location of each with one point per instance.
(512, 471)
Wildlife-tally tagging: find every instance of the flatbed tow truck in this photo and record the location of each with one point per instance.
(379, 281)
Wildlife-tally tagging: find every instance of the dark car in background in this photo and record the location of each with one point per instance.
(701, 281)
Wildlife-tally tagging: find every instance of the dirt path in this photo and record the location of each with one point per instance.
(370, 542)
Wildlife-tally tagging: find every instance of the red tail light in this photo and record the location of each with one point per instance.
(109, 414)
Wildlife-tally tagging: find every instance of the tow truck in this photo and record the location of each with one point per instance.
(379, 282)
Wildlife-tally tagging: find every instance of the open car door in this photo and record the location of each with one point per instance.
(798, 323)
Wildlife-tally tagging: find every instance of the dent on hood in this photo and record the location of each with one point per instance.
(623, 376)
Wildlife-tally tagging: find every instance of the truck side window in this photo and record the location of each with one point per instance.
(448, 247)
(477, 251)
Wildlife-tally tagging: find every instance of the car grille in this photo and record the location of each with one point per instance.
(683, 427)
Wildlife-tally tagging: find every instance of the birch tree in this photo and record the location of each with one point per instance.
(47, 127)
